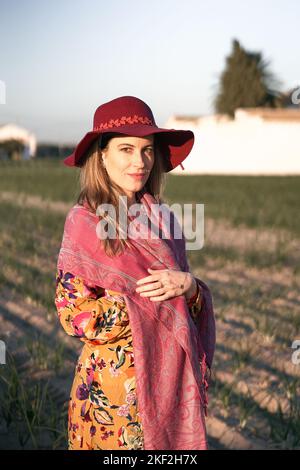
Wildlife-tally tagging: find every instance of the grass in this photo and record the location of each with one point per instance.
(258, 201)
(28, 411)
(28, 255)
(47, 178)
(43, 356)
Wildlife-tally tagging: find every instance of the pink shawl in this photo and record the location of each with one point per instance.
(171, 353)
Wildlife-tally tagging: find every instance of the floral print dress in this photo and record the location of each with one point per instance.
(103, 411)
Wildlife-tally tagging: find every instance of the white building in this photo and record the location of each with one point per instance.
(14, 132)
(259, 141)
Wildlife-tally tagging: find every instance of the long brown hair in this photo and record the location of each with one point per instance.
(97, 188)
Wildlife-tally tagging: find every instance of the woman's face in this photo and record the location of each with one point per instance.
(125, 158)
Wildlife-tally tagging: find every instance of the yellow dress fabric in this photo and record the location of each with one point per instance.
(103, 411)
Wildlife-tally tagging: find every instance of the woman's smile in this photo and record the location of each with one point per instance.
(138, 176)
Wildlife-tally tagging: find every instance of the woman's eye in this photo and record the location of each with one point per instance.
(127, 148)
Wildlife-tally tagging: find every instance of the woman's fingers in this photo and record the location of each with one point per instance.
(144, 280)
(165, 282)
(153, 292)
(152, 286)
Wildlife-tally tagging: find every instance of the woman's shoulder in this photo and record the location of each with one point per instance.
(80, 210)
(80, 220)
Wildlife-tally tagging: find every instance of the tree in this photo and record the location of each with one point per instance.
(246, 82)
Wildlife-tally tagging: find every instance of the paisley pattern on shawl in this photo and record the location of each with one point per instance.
(173, 400)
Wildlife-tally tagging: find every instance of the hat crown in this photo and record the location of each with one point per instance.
(125, 110)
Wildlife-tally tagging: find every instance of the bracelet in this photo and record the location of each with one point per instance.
(195, 304)
(194, 297)
(193, 301)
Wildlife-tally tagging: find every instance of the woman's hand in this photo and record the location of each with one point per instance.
(163, 284)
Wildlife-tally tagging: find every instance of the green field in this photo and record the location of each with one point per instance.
(250, 260)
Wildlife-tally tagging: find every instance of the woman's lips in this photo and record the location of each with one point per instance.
(137, 175)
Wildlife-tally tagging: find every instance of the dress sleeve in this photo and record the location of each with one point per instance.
(86, 312)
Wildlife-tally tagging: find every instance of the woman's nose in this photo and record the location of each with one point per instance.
(139, 158)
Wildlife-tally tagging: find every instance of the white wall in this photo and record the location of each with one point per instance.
(246, 145)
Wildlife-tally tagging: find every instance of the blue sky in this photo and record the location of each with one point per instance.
(60, 59)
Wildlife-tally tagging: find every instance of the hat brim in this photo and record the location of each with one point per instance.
(175, 144)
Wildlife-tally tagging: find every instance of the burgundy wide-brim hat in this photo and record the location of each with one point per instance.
(129, 115)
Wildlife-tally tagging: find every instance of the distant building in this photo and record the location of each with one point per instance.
(258, 141)
(16, 143)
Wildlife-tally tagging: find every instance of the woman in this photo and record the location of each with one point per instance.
(146, 322)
